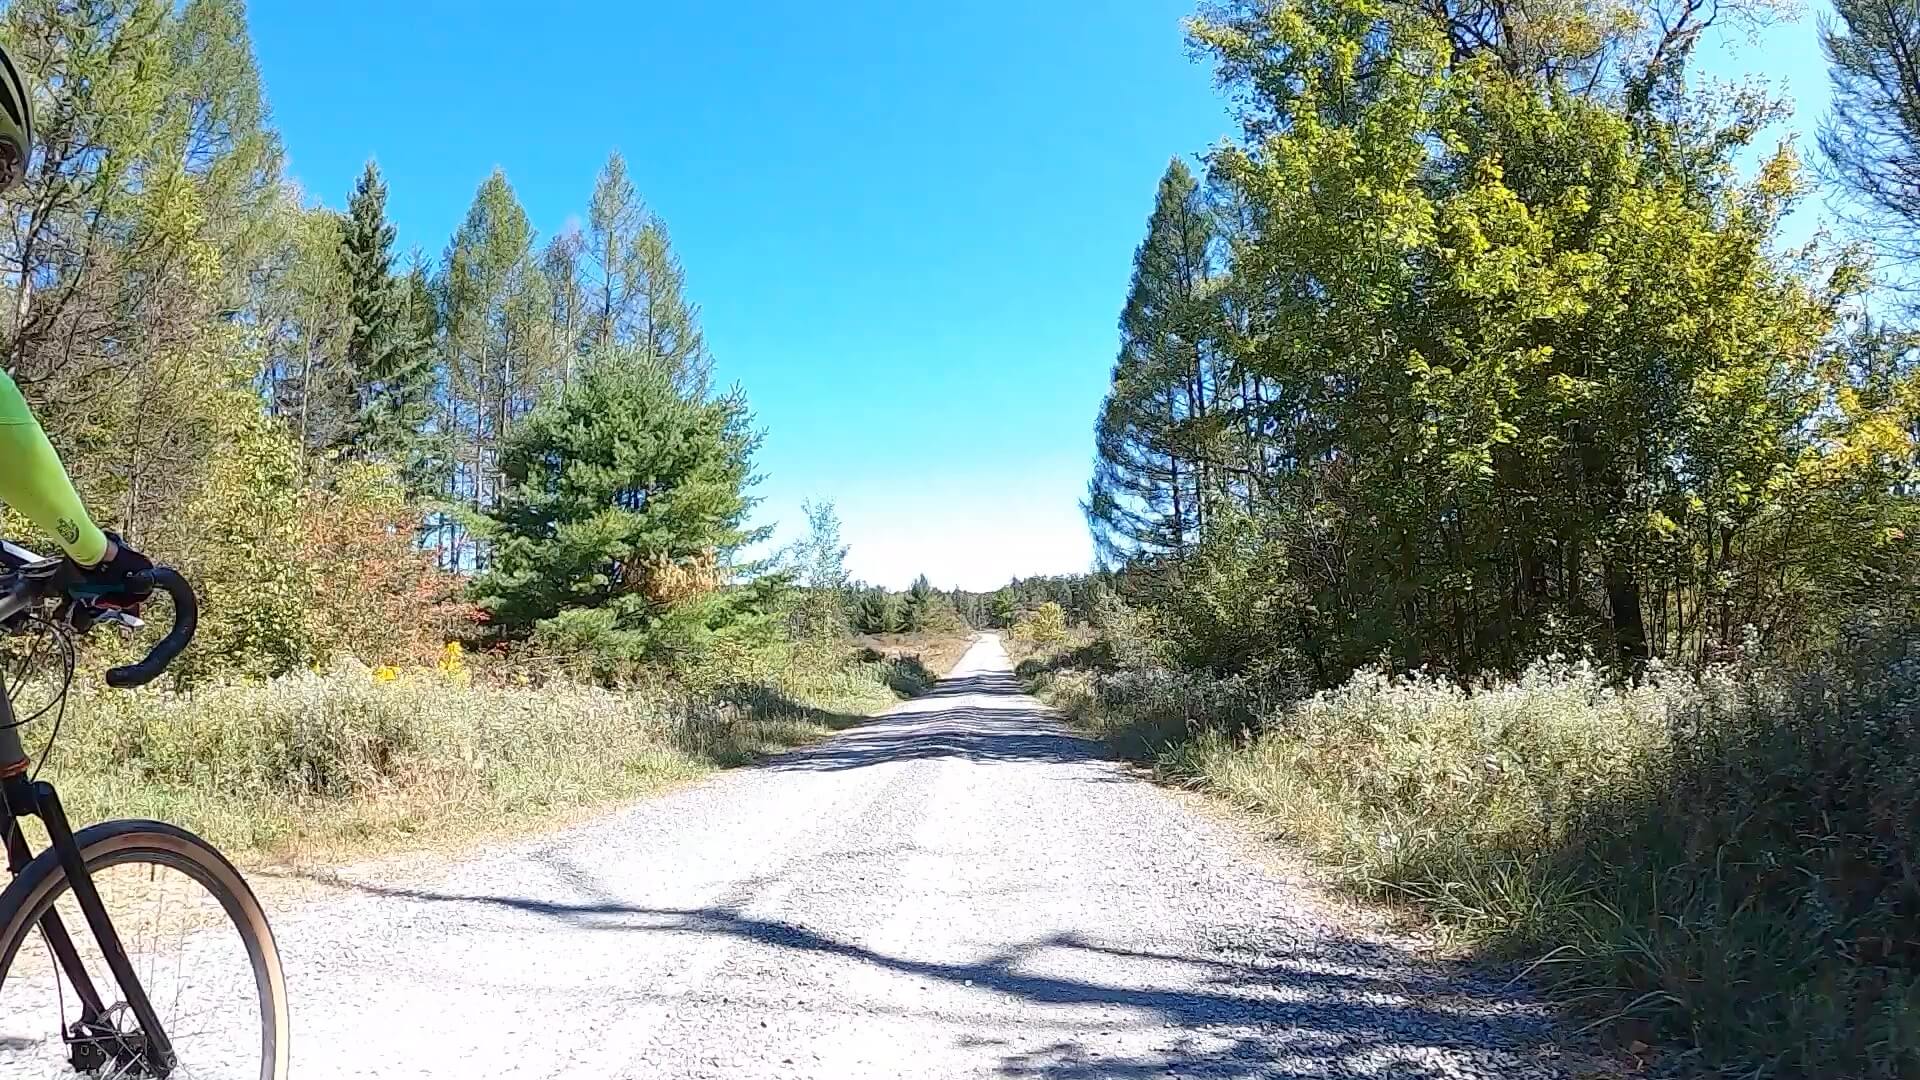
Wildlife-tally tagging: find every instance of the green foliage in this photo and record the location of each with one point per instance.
(1003, 608)
(307, 382)
(1478, 350)
(917, 606)
(819, 560)
(1235, 605)
(818, 563)
(876, 611)
(1495, 363)
(1073, 592)
(246, 518)
(921, 609)
(1133, 636)
(1044, 625)
(622, 495)
(635, 291)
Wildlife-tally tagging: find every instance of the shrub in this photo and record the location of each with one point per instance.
(1235, 604)
(376, 595)
(1044, 625)
(294, 577)
(1132, 634)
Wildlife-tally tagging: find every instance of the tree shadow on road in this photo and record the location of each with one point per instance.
(759, 699)
(1355, 1009)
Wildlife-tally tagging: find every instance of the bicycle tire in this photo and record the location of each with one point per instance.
(43, 882)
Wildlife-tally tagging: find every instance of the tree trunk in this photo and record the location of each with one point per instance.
(1629, 622)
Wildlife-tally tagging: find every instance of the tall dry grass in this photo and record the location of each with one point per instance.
(1724, 870)
(353, 757)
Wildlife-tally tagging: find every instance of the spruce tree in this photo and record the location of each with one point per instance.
(389, 337)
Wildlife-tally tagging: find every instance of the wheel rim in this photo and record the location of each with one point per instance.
(184, 933)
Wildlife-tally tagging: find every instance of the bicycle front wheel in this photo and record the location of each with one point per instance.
(197, 940)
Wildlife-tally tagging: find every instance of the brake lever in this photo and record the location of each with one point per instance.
(84, 617)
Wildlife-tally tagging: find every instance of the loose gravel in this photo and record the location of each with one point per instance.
(961, 888)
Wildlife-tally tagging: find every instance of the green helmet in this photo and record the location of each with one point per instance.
(16, 125)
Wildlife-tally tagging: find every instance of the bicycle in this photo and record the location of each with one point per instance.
(77, 881)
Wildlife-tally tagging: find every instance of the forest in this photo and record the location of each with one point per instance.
(1499, 506)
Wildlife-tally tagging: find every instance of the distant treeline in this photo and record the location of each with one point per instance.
(876, 610)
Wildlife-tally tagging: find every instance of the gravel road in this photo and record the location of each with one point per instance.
(959, 889)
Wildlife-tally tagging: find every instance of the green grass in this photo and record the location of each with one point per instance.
(1724, 869)
(343, 762)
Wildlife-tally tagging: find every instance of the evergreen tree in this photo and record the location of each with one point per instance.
(1003, 608)
(916, 607)
(621, 494)
(1151, 477)
(389, 338)
(878, 612)
(1871, 137)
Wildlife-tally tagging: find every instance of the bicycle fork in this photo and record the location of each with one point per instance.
(95, 1039)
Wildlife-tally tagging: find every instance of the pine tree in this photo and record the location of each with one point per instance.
(620, 494)
(917, 606)
(1151, 477)
(1872, 136)
(1003, 608)
(878, 612)
(389, 338)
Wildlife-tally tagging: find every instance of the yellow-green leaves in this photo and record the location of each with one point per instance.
(1544, 374)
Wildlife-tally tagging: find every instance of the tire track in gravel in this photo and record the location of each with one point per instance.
(961, 888)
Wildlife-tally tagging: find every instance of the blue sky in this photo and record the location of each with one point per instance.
(909, 227)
